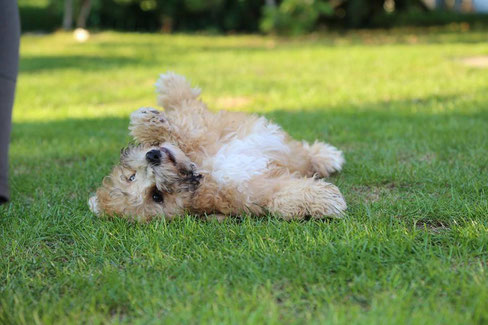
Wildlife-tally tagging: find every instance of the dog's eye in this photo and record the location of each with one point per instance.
(157, 197)
(132, 177)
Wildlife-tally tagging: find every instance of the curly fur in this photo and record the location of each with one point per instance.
(223, 163)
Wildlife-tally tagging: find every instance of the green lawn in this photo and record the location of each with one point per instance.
(410, 116)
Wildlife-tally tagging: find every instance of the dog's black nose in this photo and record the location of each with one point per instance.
(154, 157)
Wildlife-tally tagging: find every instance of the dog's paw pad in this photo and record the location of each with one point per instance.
(142, 110)
(146, 111)
(148, 115)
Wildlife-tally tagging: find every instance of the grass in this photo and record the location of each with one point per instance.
(411, 118)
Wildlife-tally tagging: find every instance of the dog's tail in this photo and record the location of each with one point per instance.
(173, 90)
(325, 159)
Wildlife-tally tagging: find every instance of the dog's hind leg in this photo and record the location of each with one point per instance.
(296, 198)
(174, 90)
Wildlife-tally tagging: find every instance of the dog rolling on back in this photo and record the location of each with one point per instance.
(191, 160)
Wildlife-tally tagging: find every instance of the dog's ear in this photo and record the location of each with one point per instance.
(93, 204)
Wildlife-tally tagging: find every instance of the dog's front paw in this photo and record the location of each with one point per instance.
(191, 176)
(148, 116)
(148, 125)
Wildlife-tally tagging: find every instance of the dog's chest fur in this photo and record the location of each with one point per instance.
(243, 157)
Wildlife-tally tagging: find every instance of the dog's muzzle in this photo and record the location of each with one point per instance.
(154, 157)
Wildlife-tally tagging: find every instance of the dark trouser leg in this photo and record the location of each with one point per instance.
(9, 59)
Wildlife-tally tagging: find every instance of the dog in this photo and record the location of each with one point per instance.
(190, 160)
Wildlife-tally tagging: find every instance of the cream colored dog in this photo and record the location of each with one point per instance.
(192, 160)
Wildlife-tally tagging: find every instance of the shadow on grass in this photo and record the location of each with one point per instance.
(415, 117)
(346, 126)
(34, 64)
(413, 163)
(70, 130)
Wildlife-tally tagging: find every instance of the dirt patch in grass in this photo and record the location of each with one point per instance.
(476, 61)
(428, 157)
(371, 194)
(409, 157)
(232, 102)
(431, 225)
(374, 193)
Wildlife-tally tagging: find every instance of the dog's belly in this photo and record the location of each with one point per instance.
(242, 158)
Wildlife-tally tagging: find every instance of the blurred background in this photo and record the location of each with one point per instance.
(247, 16)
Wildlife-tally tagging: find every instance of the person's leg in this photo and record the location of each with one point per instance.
(9, 59)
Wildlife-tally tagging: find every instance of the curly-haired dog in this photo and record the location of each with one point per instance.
(192, 160)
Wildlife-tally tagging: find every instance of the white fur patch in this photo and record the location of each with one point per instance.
(241, 159)
(93, 204)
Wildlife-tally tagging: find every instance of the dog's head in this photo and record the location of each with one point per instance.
(149, 181)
